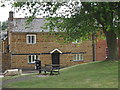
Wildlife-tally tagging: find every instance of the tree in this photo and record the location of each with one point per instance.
(93, 18)
(81, 21)
(107, 15)
(3, 25)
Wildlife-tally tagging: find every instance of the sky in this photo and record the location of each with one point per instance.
(4, 13)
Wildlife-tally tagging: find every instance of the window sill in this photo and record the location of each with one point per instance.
(31, 43)
(31, 63)
(77, 60)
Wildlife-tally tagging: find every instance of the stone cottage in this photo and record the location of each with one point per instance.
(23, 46)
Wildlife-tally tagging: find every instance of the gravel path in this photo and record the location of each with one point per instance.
(16, 79)
(22, 78)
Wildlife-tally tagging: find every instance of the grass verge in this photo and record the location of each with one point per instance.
(92, 75)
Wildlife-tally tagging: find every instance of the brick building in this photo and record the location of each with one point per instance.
(102, 50)
(23, 45)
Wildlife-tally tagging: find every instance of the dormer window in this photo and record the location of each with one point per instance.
(31, 39)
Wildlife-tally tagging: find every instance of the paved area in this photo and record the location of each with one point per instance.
(29, 71)
(22, 78)
(24, 72)
(25, 76)
(1, 76)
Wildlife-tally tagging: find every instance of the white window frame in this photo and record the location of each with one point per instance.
(32, 60)
(27, 39)
(78, 57)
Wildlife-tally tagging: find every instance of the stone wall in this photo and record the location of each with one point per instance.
(45, 44)
(6, 56)
(6, 61)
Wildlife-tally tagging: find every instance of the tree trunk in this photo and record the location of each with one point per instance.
(112, 45)
(119, 48)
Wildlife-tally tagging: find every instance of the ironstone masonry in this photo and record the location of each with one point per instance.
(23, 45)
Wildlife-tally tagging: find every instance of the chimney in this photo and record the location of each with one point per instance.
(10, 16)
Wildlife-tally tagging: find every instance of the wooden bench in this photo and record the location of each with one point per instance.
(50, 68)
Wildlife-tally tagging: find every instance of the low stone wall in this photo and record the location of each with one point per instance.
(12, 72)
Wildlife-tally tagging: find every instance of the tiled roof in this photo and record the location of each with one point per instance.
(34, 26)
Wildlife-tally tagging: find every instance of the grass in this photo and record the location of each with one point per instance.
(92, 75)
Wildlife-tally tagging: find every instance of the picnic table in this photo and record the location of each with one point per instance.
(50, 68)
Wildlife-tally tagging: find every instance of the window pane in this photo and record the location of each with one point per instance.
(81, 57)
(28, 39)
(29, 59)
(33, 58)
(36, 56)
(77, 56)
(33, 39)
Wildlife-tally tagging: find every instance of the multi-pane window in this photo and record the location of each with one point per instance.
(32, 58)
(31, 39)
(78, 57)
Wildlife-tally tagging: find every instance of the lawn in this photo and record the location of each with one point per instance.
(92, 75)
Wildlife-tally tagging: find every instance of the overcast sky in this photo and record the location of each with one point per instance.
(4, 12)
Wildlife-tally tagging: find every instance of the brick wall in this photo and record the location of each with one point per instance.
(45, 44)
(101, 50)
(101, 46)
